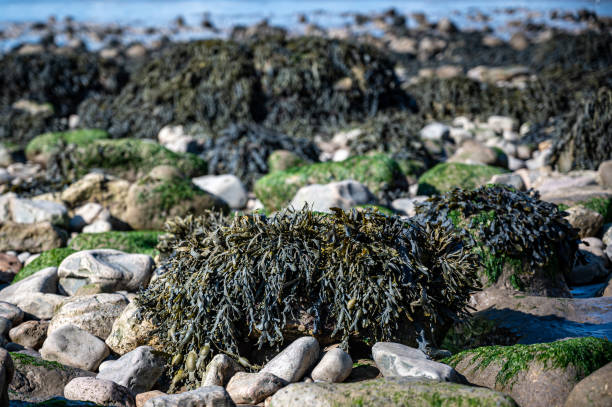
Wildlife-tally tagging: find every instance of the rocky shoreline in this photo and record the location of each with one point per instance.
(419, 218)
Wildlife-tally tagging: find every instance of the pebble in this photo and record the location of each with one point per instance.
(335, 366)
(220, 370)
(253, 388)
(295, 360)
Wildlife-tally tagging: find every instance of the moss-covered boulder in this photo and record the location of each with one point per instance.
(137, 241)
(125, 158)
(153, 199)
(446, 176)
(42, 147)
(538, 375)
(49, 258)
(249, 284)
(523, 243)
(391, 392)
(379, 173)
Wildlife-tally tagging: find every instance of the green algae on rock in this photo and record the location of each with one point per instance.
(446, 176)
(236, 285)
(125, 158)
(49, 258)
(42, 147)
(137, 241)
(391, 392)
(378, 172)
(524, 243)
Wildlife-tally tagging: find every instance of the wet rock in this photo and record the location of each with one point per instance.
(334, 367)
(227, 187)
(37, 380)
(35, 237)
(220, 370)
(11, 312)
(588, 268)
(99, 391)
(397, 360)
(30, 334)
(588, 221)
(344, 194)
(253, 388)
(114, 269)
(387, 392)
(7, 370)
(137, 370)
(92, 313)
(43, 281)
(593, 391)
(206, 396)
(295, 360)
(74, 347)
(129, 331)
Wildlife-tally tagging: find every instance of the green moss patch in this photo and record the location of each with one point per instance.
(50, 142)
(31, 360)
(446, 176)
(378, 172)
(585, 354)
(50, 258)
(141, 241)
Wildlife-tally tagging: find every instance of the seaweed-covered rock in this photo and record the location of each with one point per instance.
(42, 147)
(584, 140)
(125, 158)
(253, 281)
(534, 375)
(244, 150)
(524, 243)
(446, 176)
(151, 200)
(378, 172)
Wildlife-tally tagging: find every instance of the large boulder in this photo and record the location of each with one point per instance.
(113, 269)
(592, 391)
(446, 176)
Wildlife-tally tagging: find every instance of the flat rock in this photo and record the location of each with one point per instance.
(388, 392)
(220, 370)
(595, 390)
(253, 388)
(99, 391)
(72, 346)
(397, 360)
(114, 269)
(206, 396)
(227, 187)
(344, 194)
(43, 281)
(295, 360)
(30, 334)
(334, 367)
(37, 380)
(93, 313)
(137, 370)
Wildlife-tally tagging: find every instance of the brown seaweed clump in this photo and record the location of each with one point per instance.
(253, 282)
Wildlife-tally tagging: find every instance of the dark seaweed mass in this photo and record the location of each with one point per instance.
(357, 274)
(291, 85)
(507, 224)
(243, 150)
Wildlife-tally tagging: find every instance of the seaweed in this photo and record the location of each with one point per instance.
(237, 284)
(507, 228)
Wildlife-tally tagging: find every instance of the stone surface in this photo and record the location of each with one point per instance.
(295, 360)
(253, 388)
(586, 220)
(473, 152)
(595, 390)
(43, 281)
(30, 334)
(36, 211)
(38, 380)
(344, 194)
(607, 234)
(74, 347)
(220, 370)
(435, 131)
(7, 370)
(99, 391)
(137, 370)
(588, 268)
(605, 174)
(388, 392)
(227, 187)
(99, 226)
(128, 332)
(397, 360)
(35, 237)
(206, 396)
(93, 313)
(103, 189)
(11, 312)
(114, 269)
(40, 305)
(513, 180)
(5, 327)
(407, 205)
(334, 367)
(87, 214)
(9, 267)
(142, 398)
